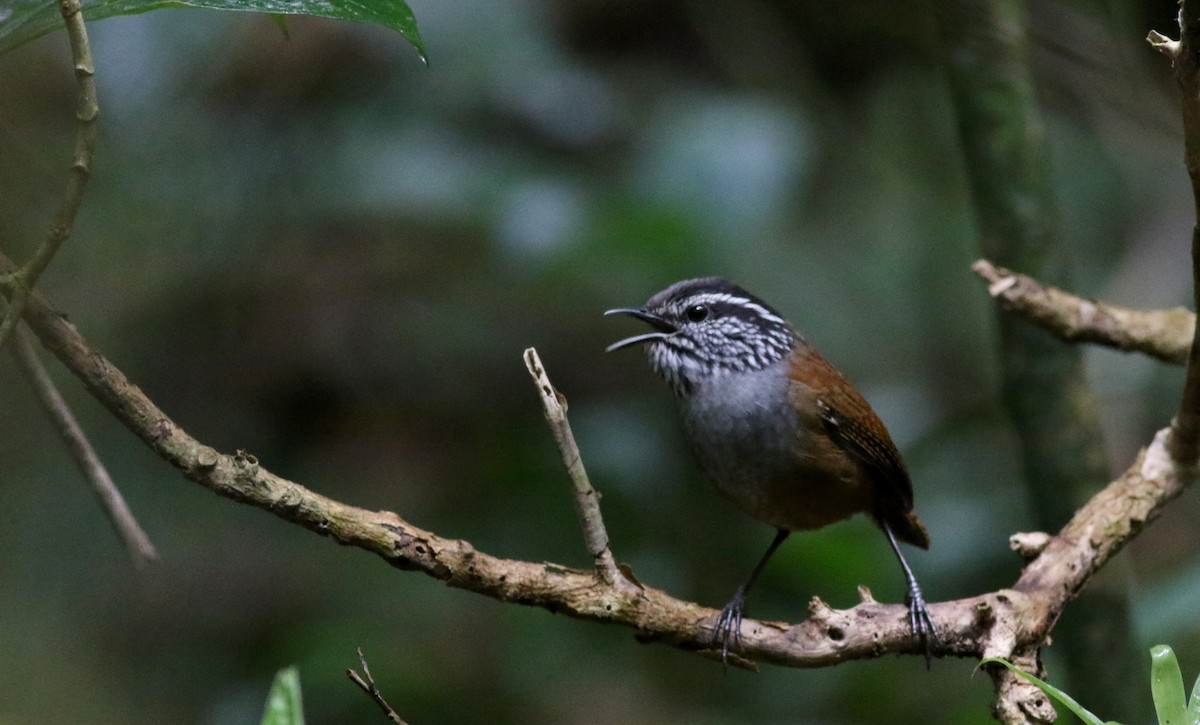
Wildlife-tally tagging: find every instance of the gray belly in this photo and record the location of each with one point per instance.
(748, 440)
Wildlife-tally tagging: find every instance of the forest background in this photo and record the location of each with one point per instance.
(319, 250)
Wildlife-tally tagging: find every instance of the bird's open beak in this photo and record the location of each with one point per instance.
(665, 329)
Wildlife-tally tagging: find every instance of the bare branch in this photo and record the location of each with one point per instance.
(1104, 525)
(20, 282)
(1003, 623)
(587, 500)
(1162, 334)
(367, 684)
(1163, 44)
(868, 630)
(131, 533)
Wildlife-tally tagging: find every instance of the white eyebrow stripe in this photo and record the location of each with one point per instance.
(711, 297)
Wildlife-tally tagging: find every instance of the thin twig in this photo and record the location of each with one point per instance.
(87, 109)
(1162, 334)
(367, 684)
(587, 500)
(1185, 438)
(130, 532)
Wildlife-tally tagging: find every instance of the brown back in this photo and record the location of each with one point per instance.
(853, 425)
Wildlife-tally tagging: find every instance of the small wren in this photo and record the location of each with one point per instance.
(776, 427)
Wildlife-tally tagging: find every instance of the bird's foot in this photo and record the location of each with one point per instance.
(920, 622)
(727, 631)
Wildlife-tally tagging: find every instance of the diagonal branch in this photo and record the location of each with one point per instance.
(20, 282)
(366, 683)
(132, 535)
(1162, 334)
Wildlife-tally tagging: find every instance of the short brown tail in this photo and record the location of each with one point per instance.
(906, 526)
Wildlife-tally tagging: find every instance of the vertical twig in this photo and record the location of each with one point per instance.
(87, 109)
(131, 534)
(587, 500)
(1184, 443)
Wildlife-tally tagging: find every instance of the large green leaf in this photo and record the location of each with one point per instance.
(24, 20)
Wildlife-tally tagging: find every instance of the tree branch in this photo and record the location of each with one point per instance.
(131, 533)
(20, 282)
(1162, 334)
(996, 624)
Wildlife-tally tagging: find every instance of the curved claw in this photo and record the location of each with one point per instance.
(728, 628)
(921, 623)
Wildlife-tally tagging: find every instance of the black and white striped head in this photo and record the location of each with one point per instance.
(708, 327)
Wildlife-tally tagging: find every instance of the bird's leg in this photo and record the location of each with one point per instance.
(918, 614)
(728, 627)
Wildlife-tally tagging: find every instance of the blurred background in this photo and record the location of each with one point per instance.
(321, 251)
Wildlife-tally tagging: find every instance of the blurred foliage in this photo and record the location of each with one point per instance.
(323, 252)
(1043, 385)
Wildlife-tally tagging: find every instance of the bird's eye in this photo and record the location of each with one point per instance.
(696, 313)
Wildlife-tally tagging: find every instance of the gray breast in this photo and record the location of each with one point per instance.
(743, 432)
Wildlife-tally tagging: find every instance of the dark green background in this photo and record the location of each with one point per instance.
(322, 252)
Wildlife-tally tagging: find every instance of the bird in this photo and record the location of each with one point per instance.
(777, 428)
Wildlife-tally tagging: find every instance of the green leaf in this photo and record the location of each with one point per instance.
(1193, 712)
(1065, 699)
(24, 20)
(283, 703)
(1166, 684)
